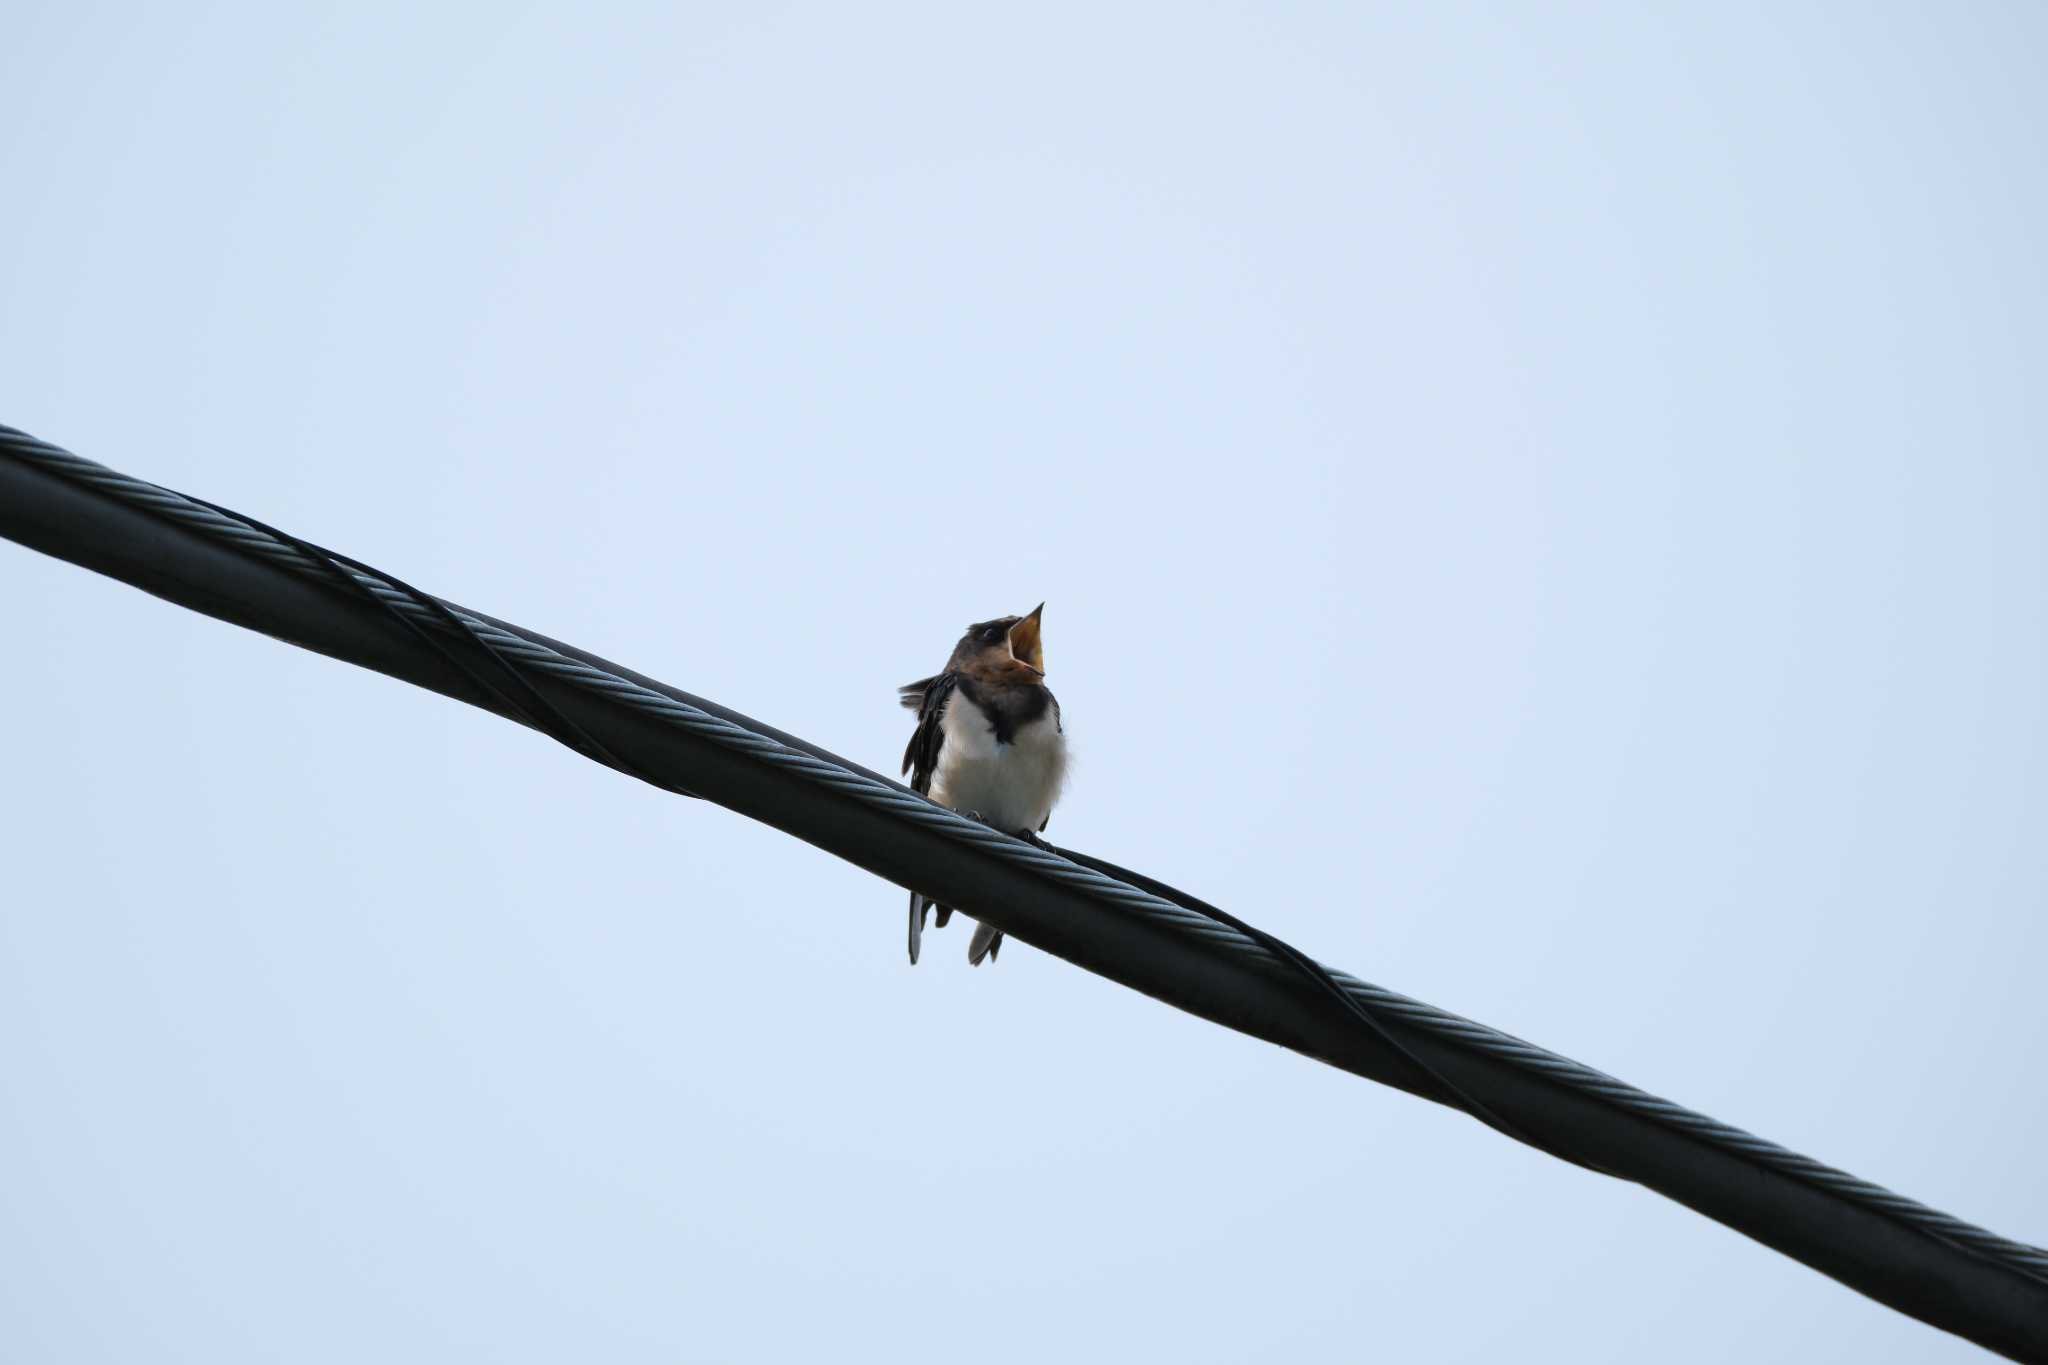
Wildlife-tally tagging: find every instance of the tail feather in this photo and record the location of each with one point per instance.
(920, 905)
(987, 942)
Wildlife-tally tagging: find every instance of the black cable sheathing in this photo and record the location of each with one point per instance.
(1139, 931)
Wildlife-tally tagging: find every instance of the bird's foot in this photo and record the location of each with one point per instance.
(1029, 836)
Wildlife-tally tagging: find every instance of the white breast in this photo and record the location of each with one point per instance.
(1012, 786)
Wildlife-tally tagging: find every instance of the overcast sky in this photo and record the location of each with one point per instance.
(1541, 506)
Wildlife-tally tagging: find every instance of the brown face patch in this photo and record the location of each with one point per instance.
(979, 639)
(1005, 650)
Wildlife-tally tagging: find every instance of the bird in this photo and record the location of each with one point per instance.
(989, 743)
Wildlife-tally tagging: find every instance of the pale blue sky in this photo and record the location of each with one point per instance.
(1541, 506)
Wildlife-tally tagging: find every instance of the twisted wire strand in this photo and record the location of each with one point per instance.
(902, 803)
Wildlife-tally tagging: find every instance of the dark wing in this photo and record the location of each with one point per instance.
(927, 697)
(912, 694)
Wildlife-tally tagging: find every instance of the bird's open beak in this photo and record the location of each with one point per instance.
(1025, 646)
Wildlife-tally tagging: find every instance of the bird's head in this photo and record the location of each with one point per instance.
(1007, 649)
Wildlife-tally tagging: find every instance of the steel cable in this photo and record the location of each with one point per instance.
(480, 647)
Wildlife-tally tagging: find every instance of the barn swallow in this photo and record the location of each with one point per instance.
(988, 744)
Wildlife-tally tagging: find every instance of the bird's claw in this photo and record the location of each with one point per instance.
(1029, 836)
